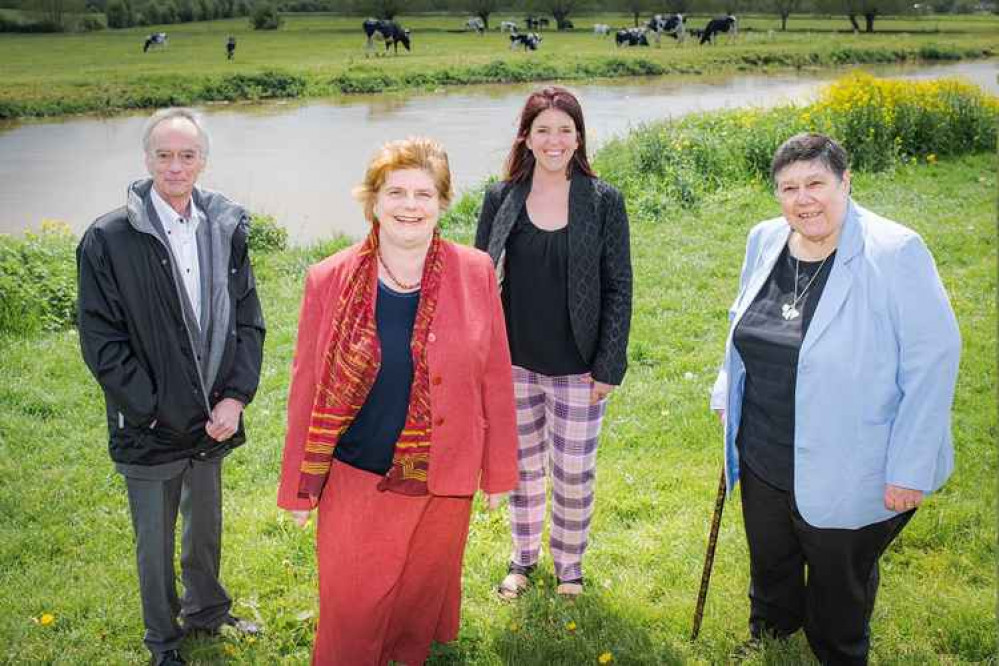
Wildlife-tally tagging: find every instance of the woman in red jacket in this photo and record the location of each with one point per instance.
(401, 405)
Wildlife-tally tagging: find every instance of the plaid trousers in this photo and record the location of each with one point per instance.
(557, 429)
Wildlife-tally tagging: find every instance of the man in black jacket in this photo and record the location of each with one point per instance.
(171, 327)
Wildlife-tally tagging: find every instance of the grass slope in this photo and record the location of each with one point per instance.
(319, 55)
(66, 544)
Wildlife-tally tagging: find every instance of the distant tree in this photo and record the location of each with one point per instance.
(265, 16)
(205, 10)
(634, 7)
(168, 12)
(152, 14)
(784, 9)
(119, 14)
(55, 10)
(383, 9)
(242, 7)
(678, 6)
(481, 8)
(871, 9)
(560, 9)
(186, 11)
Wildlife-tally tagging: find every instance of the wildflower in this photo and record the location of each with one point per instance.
(230, 650)
(570, 626)
(46, 619)
(605, 658)
(931, 158)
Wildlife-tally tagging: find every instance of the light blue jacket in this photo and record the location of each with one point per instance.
(876, 372)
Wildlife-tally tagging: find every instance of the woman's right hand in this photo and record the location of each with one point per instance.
(721, 415)
(300, 516)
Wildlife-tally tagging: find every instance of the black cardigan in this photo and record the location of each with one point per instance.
(599, 265)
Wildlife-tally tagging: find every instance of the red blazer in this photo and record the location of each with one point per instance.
(474, 441)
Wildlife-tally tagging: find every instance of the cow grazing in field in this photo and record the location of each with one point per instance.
(230, 48)
(601, 29)
(529, 40)
(155, 39)
(508, 26)
(564, 24)
(477, 24)
(536, 23)
(631, 37)
(667, 24)
(716, 26)
(390, 31)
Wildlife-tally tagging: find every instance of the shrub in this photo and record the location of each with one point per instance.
(266, 235)
(38, 280)
(265, 16)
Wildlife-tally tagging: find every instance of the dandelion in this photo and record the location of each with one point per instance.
(570, 626)
(230, 650)
(605, 658)
(46, 619)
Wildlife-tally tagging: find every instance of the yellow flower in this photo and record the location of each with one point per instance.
(46, 619)
(230, 650)
(931, 159)
(570, 625)
(605, 658)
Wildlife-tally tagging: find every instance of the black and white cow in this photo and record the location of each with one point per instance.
(155, 39)
(719, 25)
(508, 26)
(631, 37)
(667, 24)
(601, 29)
(536, 23)
(565, 24)
(390, 31)
(477, 24)
(529, 40)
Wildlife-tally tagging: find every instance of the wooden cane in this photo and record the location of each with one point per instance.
(709, 556)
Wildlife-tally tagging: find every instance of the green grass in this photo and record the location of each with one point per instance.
(66, 544)
(320, 55)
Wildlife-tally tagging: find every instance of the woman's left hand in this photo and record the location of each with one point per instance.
(599, 391)
(493, 500)
(898, 498)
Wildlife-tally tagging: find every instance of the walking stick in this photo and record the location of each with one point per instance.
(709, 556)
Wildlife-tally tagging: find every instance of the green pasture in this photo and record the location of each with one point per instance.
(322, 55)
(66, 543)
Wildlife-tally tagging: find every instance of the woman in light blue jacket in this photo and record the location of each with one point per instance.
(835, 394)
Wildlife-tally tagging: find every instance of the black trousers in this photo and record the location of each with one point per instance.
(824, 580)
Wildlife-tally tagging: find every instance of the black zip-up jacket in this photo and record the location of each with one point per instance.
(160, 378)
(599, 265)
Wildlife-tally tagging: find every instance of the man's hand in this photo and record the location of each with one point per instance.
(300, 516)
(598, 390)
(224, 420)
(898, 498)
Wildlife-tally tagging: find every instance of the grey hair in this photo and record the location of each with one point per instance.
(170, 114)
(807, 147)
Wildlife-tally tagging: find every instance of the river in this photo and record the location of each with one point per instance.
(299, 160)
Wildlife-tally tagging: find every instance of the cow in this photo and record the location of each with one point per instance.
(390, 31)
(477, 24)
(668, 24)
(564, 24)
(601, 29)
(230, 48)
(508, 26)
(719, 25)
(529, 40)
(155, 39)
(631, 37)
(536, 23)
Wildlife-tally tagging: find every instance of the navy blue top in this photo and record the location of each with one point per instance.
(769, 345)
(370, 440)
(536, 300)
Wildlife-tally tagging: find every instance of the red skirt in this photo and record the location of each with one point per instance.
(389, 571)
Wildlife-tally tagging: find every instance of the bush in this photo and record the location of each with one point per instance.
(119, 14)
(266, 235)
(38, 280)
(265, 16)
(91, 23)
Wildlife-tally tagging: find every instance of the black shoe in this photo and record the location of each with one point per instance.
(168, 658)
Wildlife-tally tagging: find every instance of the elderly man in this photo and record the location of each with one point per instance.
(171, 328)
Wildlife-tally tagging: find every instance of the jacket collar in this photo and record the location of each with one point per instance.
(216, 208)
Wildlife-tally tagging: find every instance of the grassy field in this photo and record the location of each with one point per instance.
(69, 594)
(318, 55)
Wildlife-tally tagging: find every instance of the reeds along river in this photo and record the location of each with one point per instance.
(299, 161)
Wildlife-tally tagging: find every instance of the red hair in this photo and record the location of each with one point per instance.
(520, 161)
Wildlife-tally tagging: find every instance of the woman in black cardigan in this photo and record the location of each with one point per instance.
(559, 239)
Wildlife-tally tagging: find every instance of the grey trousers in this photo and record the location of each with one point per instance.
(154, 496)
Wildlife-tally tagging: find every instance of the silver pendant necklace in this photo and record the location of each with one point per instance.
(789, 311)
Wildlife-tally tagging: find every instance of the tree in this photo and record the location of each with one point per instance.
(636, 8)
(55, 10)
(481, 8)
(383, 9)
(784, 9)
(265, 16)
(119, 14)
(560, 9)
(869, 9)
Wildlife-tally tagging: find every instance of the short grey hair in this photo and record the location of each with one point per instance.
(170, 114)
(807, 147)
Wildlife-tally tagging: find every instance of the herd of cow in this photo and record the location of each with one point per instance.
(671, 25)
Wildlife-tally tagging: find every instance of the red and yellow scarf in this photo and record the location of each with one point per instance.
(350, 367)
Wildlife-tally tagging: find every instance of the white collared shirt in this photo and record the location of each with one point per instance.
(181, 234)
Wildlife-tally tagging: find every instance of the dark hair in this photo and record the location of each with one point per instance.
(520, 161)
(807, 147)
